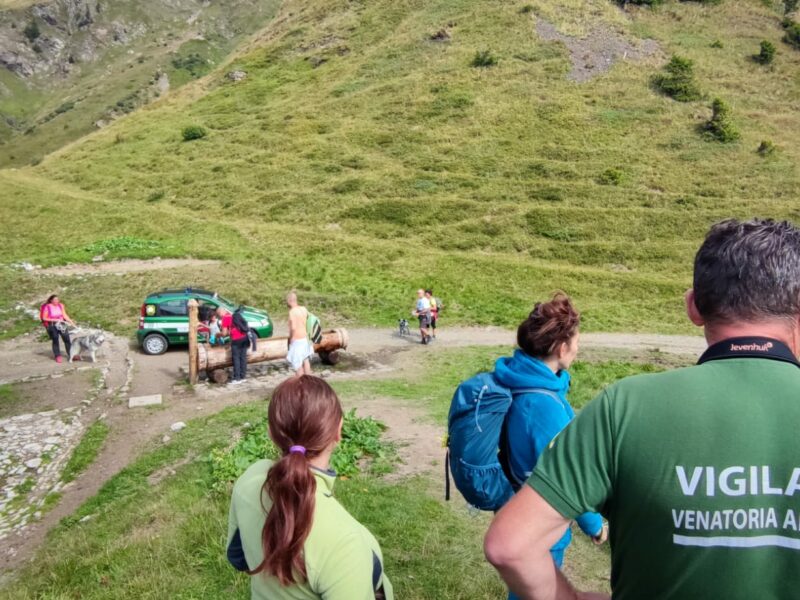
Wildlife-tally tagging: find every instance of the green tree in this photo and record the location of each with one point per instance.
(767, 53)
(720, 126)
(677, 81)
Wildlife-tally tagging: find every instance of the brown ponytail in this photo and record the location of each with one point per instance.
(549, 325)
(304, 413)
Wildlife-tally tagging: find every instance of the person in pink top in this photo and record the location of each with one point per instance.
(55, 317)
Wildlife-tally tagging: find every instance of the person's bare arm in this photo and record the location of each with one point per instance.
(518, 545)
(66, 316)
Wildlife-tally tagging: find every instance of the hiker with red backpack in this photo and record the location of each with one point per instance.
(54, 318)
(501, 422)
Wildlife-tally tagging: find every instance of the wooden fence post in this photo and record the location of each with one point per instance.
(193, 323)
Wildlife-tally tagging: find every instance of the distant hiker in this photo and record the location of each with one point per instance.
(423, 312)
(285, 529)
(300, 349)
(55, 319)
(436, 306)
(696, 469)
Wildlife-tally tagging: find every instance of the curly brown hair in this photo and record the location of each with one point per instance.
(549, 325)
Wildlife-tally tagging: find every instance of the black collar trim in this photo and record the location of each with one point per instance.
(749, 347)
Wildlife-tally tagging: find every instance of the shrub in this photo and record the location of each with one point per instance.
(361, 437)
(611, 177)
(528, 8)
(720, 127)
(677, 81)
(155, 196)
(789, 6)
(193, 132)
(765, 148)
(766, 54)
(717, 44)
(792, 36)
(640, 2)
(31, 31)
(483, 58)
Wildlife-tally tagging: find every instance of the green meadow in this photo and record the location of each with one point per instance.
(167, 539)
(360, 159)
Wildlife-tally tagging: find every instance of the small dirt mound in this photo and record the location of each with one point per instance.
(597, 52)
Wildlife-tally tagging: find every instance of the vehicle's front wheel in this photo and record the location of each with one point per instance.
(155, 343)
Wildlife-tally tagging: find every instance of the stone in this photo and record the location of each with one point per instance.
(137, 401)
(165, 439)
(237, 75)
(33, 463)
(177, 426)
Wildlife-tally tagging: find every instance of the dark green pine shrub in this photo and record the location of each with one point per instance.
(792, 36)
(766, 54)
(31, 31)
(677, 81)
(193, 132)
(765, 148)
(720, 127)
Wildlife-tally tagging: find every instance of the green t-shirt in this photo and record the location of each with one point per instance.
(339, 552)
(698, 473)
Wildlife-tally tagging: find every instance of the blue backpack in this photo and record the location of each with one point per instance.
(474, 427)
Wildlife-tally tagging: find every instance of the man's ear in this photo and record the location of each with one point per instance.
(691, 309)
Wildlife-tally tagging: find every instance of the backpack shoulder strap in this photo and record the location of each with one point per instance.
(542, 391)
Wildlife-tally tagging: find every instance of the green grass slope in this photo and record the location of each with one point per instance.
(360, 159)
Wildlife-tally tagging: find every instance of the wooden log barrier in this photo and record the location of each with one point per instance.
(215, 358)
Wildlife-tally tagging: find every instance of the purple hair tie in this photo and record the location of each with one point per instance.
(299, 449)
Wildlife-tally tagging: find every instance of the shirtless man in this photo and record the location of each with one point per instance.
(300, 350)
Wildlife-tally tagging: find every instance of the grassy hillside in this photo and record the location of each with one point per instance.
(86, 71)
(360, 159)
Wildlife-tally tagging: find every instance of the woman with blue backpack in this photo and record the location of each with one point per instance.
(501, 422)
(548, 345)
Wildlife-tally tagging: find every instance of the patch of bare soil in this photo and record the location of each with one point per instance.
(119, 267)
(598, 51)
(419, 442)
(48, 394)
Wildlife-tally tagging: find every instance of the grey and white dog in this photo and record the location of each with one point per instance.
(86, 342)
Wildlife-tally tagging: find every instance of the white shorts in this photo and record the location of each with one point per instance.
(299, 351)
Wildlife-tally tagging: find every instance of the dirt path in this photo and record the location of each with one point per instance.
(128, 372)
(116, 267)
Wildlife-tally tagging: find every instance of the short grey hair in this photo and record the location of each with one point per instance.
(748, 271)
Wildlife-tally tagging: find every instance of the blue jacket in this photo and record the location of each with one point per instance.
(535, 419)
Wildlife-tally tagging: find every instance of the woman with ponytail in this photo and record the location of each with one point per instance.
(285, 529)
(537, 373)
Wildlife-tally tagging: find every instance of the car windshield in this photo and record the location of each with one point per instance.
(225, 301)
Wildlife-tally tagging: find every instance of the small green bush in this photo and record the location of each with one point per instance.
(789, 6)
(361, 438)
(720, 127)
(155, 196)
(483, 58)
(31, 31)
(677, 81)
(717, 44)
(528, 8)
(792, 36)
(767, 53)
(193, 132)
(765, 148)
(611, 177)
(640, 2)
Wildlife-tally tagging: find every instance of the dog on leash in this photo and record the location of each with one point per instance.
(86, 343)
(403, 325)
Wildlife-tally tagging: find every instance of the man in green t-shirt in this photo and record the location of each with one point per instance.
(696, 469)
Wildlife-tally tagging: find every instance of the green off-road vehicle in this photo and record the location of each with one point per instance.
(164, 320)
